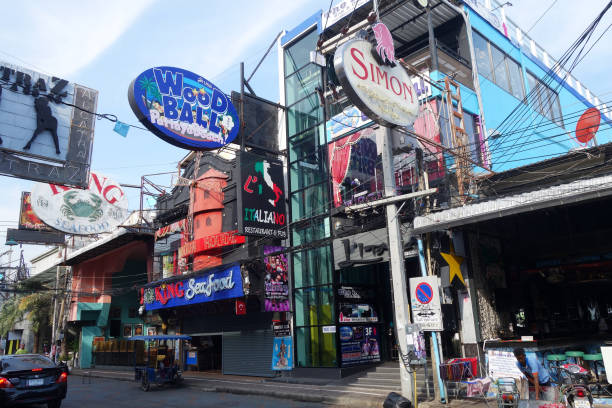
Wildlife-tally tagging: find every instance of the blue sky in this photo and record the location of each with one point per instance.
(106, 44)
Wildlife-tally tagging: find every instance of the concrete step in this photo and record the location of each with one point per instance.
(376, 381)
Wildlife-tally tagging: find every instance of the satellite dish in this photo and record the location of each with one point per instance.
(587, 125)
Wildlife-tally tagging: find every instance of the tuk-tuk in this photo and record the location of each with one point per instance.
(159, 365)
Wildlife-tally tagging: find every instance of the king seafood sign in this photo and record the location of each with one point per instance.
(100, 208)
(220, 284)
(183, 108)
(383, 92)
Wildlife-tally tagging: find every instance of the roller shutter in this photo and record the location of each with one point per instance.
(248, 353)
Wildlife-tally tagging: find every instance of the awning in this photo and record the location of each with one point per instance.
(563, 194)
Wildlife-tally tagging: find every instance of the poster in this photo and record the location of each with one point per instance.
(27, 219)
(282, 355)
(276, 284)
(138, 330)
(151, 331)
(127, 330)
(357, 313)
(167, 265)
(359, 345)
(425, 303)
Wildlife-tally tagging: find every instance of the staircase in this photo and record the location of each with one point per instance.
(386, 377)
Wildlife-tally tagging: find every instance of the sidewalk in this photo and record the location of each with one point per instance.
(332, 393)
(213, 382)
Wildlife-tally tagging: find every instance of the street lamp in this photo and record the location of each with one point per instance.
(502, 5)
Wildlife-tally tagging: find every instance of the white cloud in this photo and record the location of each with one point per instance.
(61, 37)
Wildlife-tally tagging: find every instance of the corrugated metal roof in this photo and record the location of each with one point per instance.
(576, 191)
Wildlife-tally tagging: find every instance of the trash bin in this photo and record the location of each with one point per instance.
(395, 400)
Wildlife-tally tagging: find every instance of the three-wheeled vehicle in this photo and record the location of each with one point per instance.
(159, 366)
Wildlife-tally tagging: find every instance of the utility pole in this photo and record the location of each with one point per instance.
(396, 262)
(54, 327)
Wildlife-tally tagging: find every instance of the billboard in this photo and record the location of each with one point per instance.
(28, 220)
(261, 197)
(100, 208)
(48, 119)
(183, 108)
(32, 230)
(259, 124)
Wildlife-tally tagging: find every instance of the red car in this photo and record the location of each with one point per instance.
(31, 379)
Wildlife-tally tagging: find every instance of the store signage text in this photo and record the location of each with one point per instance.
(178, 226)
(210, 242)
(376, 250)
(224, 284)
(261, 200)
(183, 108)
(383, 92)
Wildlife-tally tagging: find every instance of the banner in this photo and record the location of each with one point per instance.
(276, 283)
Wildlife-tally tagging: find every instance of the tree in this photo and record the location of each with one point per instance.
(10, 314)
(39, 309)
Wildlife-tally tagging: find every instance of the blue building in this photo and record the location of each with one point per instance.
(491, 100)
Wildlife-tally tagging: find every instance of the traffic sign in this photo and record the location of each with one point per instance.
(425, 303)
(424, 293)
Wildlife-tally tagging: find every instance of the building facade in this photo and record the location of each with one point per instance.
(490, 100)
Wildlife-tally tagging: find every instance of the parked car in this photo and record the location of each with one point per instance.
(31, 379)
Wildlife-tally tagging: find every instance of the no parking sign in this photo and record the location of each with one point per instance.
(425, 303)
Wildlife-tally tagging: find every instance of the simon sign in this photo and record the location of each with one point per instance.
(382, 92)
(100, 208)
(183, 108)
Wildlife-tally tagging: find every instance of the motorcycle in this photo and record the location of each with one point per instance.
(574, 382)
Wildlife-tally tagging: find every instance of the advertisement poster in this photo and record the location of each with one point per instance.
(276, 284)
(359, 345)
(357, 313)
(282, 356)
(27, 219)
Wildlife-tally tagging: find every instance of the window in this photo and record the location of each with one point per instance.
(314, 306)
(298, 54)
(302, 83)
(499, 66)
(544, 100)
(516, 79)
(483, 62)
(304, 114)
(309, 202)
(315, 348)
(313, 230)
(312, 267)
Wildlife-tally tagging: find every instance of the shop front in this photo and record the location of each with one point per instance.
(230, 331)
(541, 267)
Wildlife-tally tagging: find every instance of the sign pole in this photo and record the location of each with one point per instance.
(434, 337)
(396, 262)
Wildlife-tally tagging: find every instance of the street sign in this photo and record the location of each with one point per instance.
(425, 303)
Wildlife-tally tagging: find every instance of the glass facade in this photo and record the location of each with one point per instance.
(312, 268)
